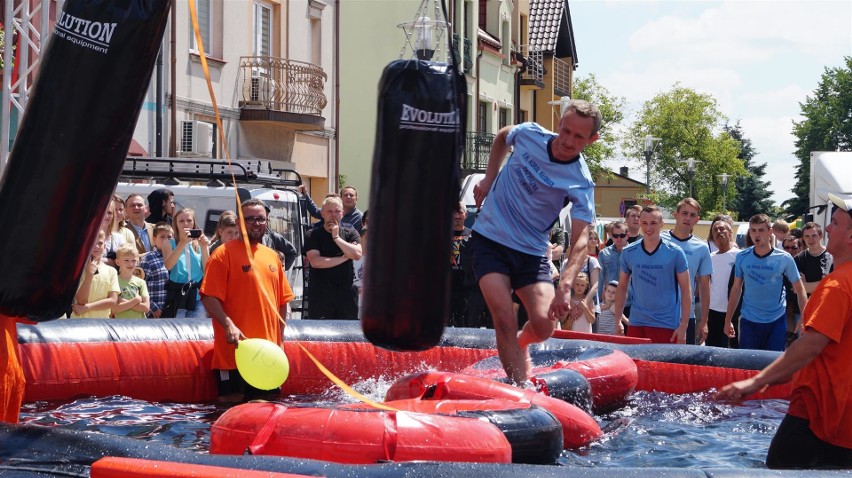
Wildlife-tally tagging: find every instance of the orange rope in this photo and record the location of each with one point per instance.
(346, 388)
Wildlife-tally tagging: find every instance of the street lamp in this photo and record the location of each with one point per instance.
(649, 151)
(724, 177)
(690, 168)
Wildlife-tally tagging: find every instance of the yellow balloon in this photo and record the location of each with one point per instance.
(262, 364)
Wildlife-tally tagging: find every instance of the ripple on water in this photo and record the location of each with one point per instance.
(653, 429)
(684, 431)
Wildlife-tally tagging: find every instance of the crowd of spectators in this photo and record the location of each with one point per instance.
(162, 277)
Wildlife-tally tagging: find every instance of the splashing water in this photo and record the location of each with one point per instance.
(653, 429)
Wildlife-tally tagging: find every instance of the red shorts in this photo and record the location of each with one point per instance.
(657, 335)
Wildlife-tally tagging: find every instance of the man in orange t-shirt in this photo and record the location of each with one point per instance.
(245, 300)
(12, 383)
(817, 430)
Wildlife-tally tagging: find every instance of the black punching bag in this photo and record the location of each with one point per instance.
(71, 147)
(414, 190)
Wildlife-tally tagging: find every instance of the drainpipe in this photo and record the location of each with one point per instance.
(518, 75)
(336, 79)
(173, 87)
(476, 98)
(158, 93)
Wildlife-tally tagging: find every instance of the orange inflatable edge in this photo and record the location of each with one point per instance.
(117, 467)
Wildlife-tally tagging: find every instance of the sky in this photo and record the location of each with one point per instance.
(759, 59)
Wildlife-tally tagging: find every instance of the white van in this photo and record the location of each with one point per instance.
(205, 186)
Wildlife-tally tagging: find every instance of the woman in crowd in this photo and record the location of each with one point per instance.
(186, 257)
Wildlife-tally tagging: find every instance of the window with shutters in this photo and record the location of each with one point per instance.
(262, 29)
(210, 28)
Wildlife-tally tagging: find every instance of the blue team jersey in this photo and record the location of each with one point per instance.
(531, 189)
(697, 259)
(653, 282)
(764, 299)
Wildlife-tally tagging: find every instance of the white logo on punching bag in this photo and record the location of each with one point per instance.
(422, 120)
(86, 33)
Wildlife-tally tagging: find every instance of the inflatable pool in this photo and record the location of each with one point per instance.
(168, 360)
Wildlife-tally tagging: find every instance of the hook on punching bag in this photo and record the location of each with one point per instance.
(414, 190)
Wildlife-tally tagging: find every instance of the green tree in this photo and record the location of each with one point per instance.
(612, 111)
(689, 125)
(752, 193)
(827, 127)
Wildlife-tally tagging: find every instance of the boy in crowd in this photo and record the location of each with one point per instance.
(656, 271)
(133, 301)
(606, 322)
(762, 270)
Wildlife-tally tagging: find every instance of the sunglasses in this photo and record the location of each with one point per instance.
(620, 236)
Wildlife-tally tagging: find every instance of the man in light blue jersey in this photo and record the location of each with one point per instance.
(544, 174)
(762, 269)
(656, 272)
(610, 258)
(698, 260)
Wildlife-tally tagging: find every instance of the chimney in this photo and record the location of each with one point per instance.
(623, 171)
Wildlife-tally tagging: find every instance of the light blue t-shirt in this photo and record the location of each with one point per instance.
(531, 189)
(610, 261)
(697, 259)
(653, 280)
(764, 298)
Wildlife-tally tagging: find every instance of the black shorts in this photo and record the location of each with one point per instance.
(230, 381)
(522, 269)
(796, 446)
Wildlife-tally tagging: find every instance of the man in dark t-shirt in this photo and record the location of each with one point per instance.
(458, 317)
(330, 250)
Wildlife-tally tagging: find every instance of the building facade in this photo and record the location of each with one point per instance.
(270, 64)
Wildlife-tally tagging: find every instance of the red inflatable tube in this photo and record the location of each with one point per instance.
(356, 436)
(534, 433)
(612, 377)
(578, 428)
(613, 339)
(654, 376)
(611, 374)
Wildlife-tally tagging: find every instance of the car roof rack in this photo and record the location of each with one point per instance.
(245, 172)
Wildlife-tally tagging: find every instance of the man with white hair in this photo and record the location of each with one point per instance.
(330, 250)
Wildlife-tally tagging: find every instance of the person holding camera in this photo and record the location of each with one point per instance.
(186, 259)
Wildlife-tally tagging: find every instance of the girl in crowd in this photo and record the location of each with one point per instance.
(98, 291)
(186, 258)
(120, 223)
(582, 316)
(227, 229)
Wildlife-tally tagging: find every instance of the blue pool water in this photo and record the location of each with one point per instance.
(653, 429)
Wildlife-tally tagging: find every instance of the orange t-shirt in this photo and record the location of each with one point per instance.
(12, 381)
(822, 390)
(251, 295)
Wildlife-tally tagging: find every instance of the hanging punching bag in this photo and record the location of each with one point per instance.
(415, 188)
(71, 147)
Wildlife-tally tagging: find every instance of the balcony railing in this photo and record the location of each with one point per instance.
(282, 85)
(561, 77)
(476, 151)
(464, 58)
(534, 73)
